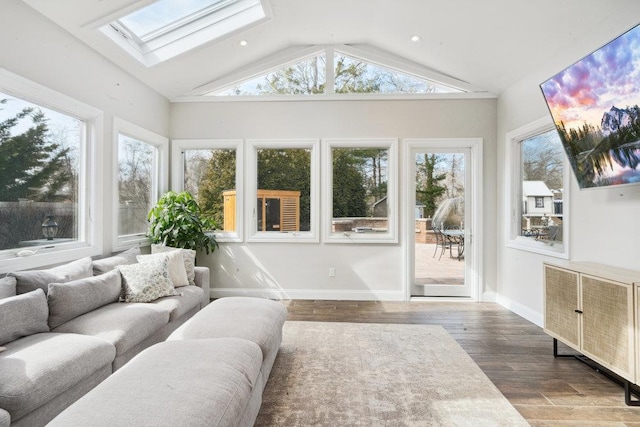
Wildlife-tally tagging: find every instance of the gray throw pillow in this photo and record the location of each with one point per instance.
(72, 299)
(101, 266)
(23, 315)
(30, 280)
(189, 256)
(7, 287)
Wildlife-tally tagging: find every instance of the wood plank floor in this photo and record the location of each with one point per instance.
(514, 353)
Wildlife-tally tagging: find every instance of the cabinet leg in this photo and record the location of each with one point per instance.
(627, 395)
(555, 350)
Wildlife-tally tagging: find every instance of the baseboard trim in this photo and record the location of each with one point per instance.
(310, 294)
(521, 310)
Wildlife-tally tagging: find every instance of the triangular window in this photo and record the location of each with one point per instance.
(349, 74)
(306, 77)
(353, 75)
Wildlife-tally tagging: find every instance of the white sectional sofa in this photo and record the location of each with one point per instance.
(64, 330)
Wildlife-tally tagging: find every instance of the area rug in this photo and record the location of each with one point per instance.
(347, 374)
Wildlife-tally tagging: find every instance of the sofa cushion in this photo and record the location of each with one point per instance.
(7, 287)
(146, 282)
(190, 297)
(255, 319)
(30, 280)
(188, 255)
(186, 383)
(104, 265)
(175, 266)
(23, 315)
(122, 324)
(72, 299)
(37, 368)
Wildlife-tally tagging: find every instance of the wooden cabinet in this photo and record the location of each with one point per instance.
(592, 308)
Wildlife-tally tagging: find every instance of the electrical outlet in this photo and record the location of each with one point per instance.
(332, 272)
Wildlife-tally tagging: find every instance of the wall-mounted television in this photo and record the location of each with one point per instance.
(595, 106)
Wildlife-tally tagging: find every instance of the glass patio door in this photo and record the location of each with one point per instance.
(441, 247)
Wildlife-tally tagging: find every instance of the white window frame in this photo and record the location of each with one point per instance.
(159, 178)
(391, 236)
(178, 146)
(513, 194)
(253, 145)
(89, 240)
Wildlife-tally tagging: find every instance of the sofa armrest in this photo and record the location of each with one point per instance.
(202, 279)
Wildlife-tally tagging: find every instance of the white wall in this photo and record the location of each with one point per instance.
(604, 224)
(362, 271)
(35, 48)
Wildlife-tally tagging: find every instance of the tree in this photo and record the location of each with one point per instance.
(219, 176)
(542, 160)
(31, 164)
(428, 187)
(349, 193)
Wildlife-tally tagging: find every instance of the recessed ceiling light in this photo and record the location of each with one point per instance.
(416, 38)
(243, 43)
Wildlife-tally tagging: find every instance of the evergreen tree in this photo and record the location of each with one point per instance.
(349, 193)
(428, 187)
(31, 164)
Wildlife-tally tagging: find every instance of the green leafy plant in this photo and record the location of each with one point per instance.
(176, 221)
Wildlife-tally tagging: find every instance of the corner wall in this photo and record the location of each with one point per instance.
(366, 271)
(36, 49)
(604, 224)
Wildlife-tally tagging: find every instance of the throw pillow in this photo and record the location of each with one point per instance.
(189, 256)
(175, 266)
(72, 299)
(146, 282)
(23, 315)
(31, 280)
(101, 266)
(7, 287)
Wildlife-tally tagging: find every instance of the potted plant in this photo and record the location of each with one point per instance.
(176, 221)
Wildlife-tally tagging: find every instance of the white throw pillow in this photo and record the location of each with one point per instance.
(189, 256)
(175, 266)
(146, 282)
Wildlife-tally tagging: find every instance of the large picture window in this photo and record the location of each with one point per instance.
(48, 148)
(538, 190)
(361, 196)
(211, 171)
(283, 182)
(142, 160)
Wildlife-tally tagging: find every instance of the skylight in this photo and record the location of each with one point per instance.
(167, 28)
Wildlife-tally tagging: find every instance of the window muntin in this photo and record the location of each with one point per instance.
(283, 182)
(539, 190)
(211, 170)
(76, 126)
(140, 178)
(361, 198)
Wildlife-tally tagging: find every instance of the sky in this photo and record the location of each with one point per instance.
(608, 77)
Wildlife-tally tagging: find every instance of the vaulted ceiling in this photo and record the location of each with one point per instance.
(489, 44)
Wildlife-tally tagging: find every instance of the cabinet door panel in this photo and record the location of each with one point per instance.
(561, 300)
(607, 324)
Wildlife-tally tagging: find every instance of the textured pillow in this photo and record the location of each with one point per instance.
(23, 315)
(189, 256)
(175, 266)
(146, 282)
(7, 287)
(72, 299)
(101, 266)
(31, 280)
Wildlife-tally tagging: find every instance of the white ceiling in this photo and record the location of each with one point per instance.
(490, 44)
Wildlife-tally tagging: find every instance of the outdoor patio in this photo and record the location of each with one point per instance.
(445, 270)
